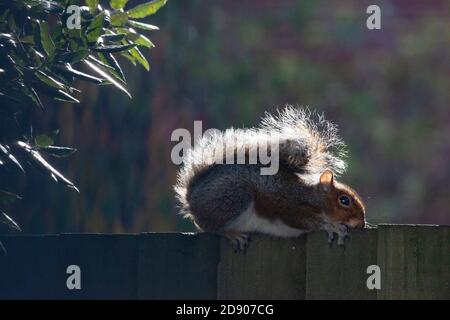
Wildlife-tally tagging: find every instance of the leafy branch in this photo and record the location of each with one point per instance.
(45, 46)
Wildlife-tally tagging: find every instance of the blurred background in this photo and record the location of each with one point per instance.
(226, 63)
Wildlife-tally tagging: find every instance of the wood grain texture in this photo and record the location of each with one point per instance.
(270, 269)
(31, 269)
(339, 272)
(414, 262)
(178, 266)
(108, 265)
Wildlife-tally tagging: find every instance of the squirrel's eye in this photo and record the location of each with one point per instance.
(344, 200)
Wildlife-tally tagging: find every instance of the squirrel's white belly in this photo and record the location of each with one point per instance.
(250, 221)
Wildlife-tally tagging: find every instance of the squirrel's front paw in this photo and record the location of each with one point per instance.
(239, 240)
(337, 229)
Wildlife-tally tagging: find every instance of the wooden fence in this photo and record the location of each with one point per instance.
(413, 261)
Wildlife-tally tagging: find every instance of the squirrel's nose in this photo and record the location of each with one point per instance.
(356, 223)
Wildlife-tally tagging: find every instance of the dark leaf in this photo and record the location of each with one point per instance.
(34, 96)
(49, 80)
(3, 249)
(115, 48)
(74, 57)
(35, 158)
(59, 152)
(4, 218)
(64, 96)
(100, 63)
(4, 150)
(111, 60)
(67, 69)
(113, 37)
(6, 197)
(107, 76)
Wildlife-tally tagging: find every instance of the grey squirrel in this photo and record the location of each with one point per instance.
(234, 200)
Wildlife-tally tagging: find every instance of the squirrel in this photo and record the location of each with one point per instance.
(234, 200)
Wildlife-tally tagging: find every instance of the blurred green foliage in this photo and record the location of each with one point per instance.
(226, 63)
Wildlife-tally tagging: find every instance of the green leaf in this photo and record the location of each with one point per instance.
(43, 141)
(97, 22)
(146, 9)
(129, 57)
(144, 41)
(118, 4)
(92, 4)
(140, 58)
(141, 25)
(107, 76)
(115, 48)
(95, 29)
(46, 40)
(119, 18)
(135, 37)
(5, 219)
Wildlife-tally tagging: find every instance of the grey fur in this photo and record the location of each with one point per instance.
(212, 194)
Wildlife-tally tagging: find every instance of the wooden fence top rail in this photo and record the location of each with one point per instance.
(404, 261)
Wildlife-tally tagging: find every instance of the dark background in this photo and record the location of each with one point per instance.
(225, 63)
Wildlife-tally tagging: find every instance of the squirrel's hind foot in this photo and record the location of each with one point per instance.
(239, 240)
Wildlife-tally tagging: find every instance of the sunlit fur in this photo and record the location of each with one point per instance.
(325, 147)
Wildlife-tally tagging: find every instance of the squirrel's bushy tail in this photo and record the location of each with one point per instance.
(320, 138)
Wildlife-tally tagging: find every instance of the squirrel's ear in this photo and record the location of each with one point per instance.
(326, 178)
